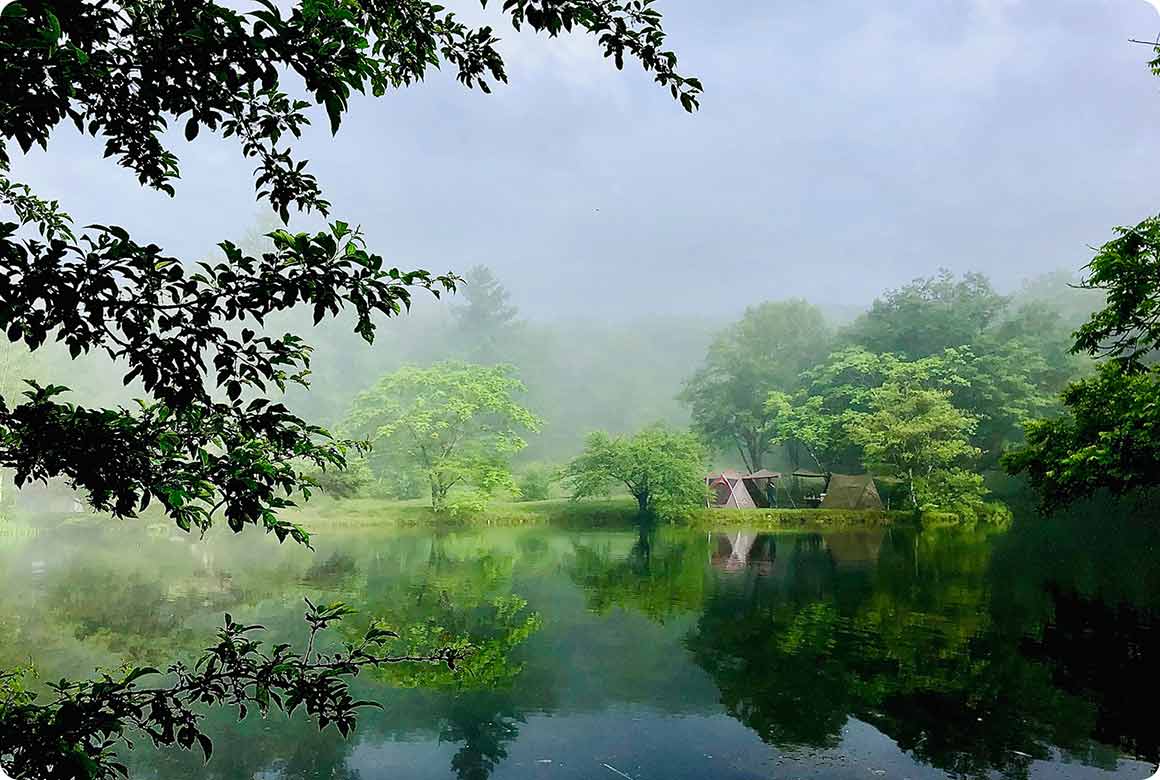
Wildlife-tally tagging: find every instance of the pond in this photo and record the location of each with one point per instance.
(676, 654)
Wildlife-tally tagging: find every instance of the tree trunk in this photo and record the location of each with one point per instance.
(756, 453)
(642, 502)
(913, 495)
(438, 495)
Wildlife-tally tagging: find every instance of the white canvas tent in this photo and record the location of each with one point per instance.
(734, 490)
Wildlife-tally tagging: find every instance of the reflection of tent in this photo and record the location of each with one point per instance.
(846, 491)
(855, 549)
(734, 490)
(734, 552)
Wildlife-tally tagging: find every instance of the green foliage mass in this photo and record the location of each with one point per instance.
(914, 432)
(535, 482)
(458, 423)
(929, 315)
(1109, 438)
(896, 417)
(663, 470)
(1012, 356)
(766, 350)
(1109, 434)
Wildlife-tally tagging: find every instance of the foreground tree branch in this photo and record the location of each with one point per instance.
(209, 439)
(77, 732)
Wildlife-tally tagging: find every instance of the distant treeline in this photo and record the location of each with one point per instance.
(613, 376)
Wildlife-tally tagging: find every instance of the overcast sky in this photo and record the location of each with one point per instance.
(842, 148)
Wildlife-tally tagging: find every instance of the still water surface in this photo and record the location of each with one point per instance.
(853, 654)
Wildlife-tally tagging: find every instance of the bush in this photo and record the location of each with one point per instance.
(466, 505)
(536, 482)
(343, 483)
(957, 491)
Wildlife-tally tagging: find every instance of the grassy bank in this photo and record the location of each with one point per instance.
(609, 513)
(798, 518)
(325, 514)
(369, 512)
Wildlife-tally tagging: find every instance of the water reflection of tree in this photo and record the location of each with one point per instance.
(485, 725)
(660, 576)
(150, 603)
(1092, 604)
(292, 749)
(908, 646)
(768, 641)
(125, 603)
(899, 629)
(459, 593)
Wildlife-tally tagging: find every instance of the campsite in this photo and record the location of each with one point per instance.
(799, 489)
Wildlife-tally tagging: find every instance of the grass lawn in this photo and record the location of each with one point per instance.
(607, 513)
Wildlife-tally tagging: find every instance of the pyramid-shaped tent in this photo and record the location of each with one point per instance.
(851, 491)
(734, 490)
(729, 490)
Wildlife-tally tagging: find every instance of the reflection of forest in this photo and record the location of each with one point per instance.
(974, 653)
(905, 632)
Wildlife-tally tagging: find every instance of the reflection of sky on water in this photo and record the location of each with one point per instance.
(647, 745)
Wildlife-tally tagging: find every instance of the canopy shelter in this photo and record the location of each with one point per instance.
(851, 491)
(809, 486)
(734, 490)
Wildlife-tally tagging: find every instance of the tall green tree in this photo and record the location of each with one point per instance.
(915, 433)
(458, 423)
(815, 417)
(929, 315)
(486, 321)
(766, 350)
(663, 470)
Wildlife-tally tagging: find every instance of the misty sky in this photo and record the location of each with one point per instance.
(842, 148)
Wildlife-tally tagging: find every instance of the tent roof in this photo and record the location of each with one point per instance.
(736, 475)
(810, 474)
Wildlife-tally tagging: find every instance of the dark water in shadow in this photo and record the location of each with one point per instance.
(675, 654)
